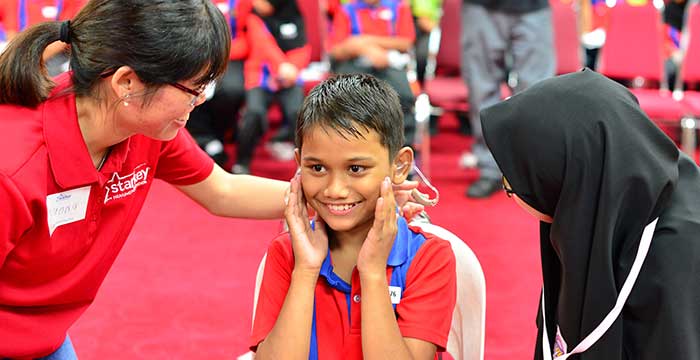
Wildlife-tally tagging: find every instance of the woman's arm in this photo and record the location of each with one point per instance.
(241, 196)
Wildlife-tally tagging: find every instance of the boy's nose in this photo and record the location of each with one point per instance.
(337, 188)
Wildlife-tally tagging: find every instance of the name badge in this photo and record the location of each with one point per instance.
(66, 207)
(395, 294)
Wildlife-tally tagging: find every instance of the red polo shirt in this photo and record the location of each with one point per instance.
(424, 309)
(48, 280)
(387, 18)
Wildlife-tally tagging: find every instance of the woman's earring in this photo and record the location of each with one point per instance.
(126, 103)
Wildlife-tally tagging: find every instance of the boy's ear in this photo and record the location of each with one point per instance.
(297, 157)
(403, 162)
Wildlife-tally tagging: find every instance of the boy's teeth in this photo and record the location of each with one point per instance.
(340, 207)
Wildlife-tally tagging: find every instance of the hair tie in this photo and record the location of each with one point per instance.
(65, 32)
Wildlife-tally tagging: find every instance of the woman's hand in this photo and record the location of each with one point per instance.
(380, 239)
(403, 193)
(310, 246)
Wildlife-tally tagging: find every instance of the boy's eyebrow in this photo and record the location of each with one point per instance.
(357, 158)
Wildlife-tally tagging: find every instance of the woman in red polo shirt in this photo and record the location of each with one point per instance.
(85, 149)
(81, 154)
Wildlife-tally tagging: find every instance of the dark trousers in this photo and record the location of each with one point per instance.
(213, 118)
(396, 79)
(254, 122)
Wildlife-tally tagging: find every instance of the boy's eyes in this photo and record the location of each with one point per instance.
(353, 169)
(356, 169)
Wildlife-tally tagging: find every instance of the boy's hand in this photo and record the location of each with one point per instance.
(310, 246)
(380, 239)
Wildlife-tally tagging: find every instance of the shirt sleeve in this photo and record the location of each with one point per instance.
(263, 45)
(405, 27)
(182, 162)
(300, 57)
(340, 28)
(9, 20)
(17, 218)
(273, 288)
(425, 310)
(70, 9)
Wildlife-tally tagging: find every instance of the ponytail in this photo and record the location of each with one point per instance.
(23, 77)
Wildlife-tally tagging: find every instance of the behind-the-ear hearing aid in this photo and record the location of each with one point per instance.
(418, 196)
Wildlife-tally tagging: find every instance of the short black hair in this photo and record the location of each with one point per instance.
(348, 102)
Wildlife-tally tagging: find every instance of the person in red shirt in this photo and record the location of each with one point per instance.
(85, 153)
(372, 36)
(211, 121)
(357, 282)
(278, 52)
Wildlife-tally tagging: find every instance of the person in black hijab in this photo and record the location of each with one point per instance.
(578, 151)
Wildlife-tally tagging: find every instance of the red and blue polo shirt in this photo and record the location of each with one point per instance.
(260, 69)
(49, 275)
(387, 18)
(422, 283)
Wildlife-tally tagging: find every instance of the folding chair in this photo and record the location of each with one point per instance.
(633, 51)
(466, 338)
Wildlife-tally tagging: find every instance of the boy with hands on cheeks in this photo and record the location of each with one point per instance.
(357, 281)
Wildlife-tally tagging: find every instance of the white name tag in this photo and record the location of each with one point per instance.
(395, 294)
(66, 207)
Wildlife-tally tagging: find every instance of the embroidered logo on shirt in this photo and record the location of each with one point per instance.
(122, 186)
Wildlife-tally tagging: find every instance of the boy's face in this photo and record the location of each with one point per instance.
(341, 177)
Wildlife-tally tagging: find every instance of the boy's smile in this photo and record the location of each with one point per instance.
(341, 177)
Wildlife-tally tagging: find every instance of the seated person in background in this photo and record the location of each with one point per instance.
(372, 36)
(18, 15)
(426, 16)
(278, 52)
(358, 281)
(210, 121)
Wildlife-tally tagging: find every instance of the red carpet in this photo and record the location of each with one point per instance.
(182, 287)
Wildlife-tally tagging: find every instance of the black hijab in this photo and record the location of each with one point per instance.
(578, 148)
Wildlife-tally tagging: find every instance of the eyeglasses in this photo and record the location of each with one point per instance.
(198, 93)
(508, 190)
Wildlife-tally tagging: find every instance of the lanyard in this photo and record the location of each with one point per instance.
(609, 319)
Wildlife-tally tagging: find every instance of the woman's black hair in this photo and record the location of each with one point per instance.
(163, 41)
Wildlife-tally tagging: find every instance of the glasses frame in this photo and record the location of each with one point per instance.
(196, 93)
(509, 191)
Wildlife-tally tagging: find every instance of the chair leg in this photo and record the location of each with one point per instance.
(688, 136)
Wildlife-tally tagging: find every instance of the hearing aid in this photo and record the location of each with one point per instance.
(418, 196)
